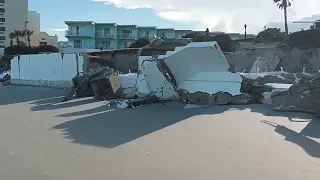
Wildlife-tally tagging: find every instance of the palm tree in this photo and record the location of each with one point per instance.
(284, 4)
(28, 33)
(18, 34)
(12, 35)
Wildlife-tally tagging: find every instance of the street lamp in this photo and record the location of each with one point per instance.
(245, 31)
(25, 29)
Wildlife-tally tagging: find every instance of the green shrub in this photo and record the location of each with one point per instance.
(140, 43)
(270, 32)
(305, 39)
(23, 50)
(225, 42)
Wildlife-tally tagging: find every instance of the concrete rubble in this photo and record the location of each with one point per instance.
(301, 97)
(102, 83)
(199, 74)
(4, 78)
(181, 75)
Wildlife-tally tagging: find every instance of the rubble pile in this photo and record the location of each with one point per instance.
(302, 97)
(199, 74)
(205, 81)
(102, 82)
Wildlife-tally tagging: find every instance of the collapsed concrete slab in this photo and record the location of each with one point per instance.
(158, 85)
(205, 80)
(301, 97)
(272, 77)
(197, 57)
(276, 89)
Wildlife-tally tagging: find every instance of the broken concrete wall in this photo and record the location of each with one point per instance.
(157, 83)
(194, 58)
(128, 82)
(123, 59)
(50, 70)
(302, 97)
(200, 74)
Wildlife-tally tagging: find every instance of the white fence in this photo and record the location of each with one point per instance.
(50, 70)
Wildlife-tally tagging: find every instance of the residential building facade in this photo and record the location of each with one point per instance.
(109, 36)
(13, 16)
(34, 22)
(43, 38)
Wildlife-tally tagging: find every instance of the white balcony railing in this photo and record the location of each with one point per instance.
(147, 36)
(78, 33)
(104, 34)
(104, 46)
(82, 46)
(127, 36)
(77, 45)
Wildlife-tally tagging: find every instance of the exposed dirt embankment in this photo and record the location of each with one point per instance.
(291, 59)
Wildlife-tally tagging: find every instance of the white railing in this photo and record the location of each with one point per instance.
(77, 45)
(82, 46)
(104, 46)
(147, 36)
(104, 34)
(127, 36)
(78, 33)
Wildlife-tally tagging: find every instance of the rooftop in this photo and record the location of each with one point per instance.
(147, 27)
(114, 24)
(79, 22)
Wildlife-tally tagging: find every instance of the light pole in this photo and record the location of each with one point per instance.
(25, 29)
(245, 31)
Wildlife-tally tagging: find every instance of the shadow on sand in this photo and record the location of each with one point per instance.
(107, 127)
(310, 146)
(18, 94)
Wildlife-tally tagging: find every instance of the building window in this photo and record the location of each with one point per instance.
(2, 38)
(126, 33)
(2, 1)
(147, 34)
(2, 19)
(43, 43)
(2, 29)
(106, 44)
(2, 10)
(106, 31)
(1, 46)
(77, 43)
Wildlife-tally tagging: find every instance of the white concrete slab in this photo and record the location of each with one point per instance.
(187, 61)
(213, 82)
(157, 83)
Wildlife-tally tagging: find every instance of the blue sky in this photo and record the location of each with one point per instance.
(217, 15)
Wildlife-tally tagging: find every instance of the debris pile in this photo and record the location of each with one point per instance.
(4, 77)
(206, 81)
(199, 74)
(301, 97)
(102, 83)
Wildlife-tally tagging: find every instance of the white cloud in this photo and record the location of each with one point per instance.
(223, 15)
